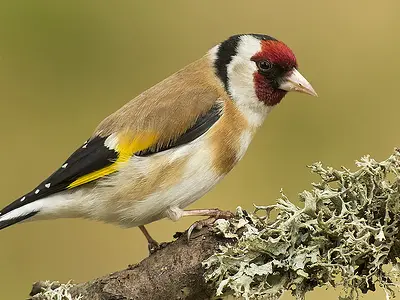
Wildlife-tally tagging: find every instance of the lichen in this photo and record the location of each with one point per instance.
(55, 291)
(345, 234)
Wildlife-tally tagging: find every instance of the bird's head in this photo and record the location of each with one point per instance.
(258, 68)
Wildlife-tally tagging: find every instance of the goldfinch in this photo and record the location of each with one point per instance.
(171, 144)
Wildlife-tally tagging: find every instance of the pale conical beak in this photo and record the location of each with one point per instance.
(296, 82)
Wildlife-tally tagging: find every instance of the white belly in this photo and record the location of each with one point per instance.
(198, 177)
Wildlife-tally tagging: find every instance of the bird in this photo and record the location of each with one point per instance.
(170, 145)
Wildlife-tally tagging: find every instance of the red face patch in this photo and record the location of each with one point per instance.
(267, 80)
(277, 53)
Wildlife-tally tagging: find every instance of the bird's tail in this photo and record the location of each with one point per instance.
(29, 208)
(5, 222)
(16, 212)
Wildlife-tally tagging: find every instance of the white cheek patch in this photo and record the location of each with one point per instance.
(241, 81)
(241, 78)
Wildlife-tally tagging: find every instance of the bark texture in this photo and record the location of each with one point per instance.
(174, 272)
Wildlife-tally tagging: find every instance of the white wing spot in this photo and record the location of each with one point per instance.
(111, 142)
(64, 165)
(37, 191)
(84, 146)
(22, 199)
(47, 185)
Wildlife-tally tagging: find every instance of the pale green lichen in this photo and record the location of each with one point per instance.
(56, 291)
(346, 234)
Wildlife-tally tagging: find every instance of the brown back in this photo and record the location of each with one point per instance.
(169, 107)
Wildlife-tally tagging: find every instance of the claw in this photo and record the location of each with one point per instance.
(199, 225)
(189, 233)
(152, 244)
(154, 247)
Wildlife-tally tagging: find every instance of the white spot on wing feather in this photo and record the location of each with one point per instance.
(64, 165)
(47, 185)
(111, 142)
(23, 199)
(37, 191)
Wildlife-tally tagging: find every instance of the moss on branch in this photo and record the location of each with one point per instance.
(346, 233)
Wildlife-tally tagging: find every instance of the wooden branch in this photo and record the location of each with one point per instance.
(174, 272)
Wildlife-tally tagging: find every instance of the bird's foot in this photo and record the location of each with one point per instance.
(214, 214)
(199, 225)
(154, 246)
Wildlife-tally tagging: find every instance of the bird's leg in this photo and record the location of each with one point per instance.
(213, 214)
(152, 243)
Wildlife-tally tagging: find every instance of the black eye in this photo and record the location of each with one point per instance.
(264, 65)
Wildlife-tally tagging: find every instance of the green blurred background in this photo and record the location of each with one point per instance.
(65, 65)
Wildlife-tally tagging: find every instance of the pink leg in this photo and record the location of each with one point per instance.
(152, 243)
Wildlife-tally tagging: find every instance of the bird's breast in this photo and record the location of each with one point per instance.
(229, 138)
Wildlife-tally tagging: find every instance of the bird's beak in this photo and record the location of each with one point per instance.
(296, 82)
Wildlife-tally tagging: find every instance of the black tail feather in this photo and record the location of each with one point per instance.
(6, 223)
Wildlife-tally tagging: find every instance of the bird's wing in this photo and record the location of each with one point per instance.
(103, 155)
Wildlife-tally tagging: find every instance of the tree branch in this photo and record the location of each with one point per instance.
(174, 272)
(346, 233)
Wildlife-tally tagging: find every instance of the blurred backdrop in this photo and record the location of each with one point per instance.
(65, 65)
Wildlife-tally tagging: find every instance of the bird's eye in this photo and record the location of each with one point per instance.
(264, 65)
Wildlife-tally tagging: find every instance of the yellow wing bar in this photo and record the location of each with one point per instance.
(125, 147)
